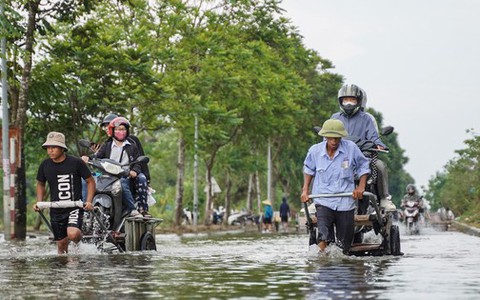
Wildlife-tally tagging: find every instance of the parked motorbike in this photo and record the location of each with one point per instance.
(187, 217)
(242, 218)
(218, 214)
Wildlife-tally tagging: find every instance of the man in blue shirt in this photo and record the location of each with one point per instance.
(333, 165)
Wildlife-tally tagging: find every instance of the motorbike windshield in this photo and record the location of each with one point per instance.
(111, 168)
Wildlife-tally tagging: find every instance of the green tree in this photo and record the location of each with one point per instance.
(457, 186)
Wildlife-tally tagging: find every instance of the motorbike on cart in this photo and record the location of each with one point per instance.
(369, 216)
(109, 226)
(381, 223)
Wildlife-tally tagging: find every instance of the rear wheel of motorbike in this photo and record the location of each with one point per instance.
(147, 242)
(395, 240)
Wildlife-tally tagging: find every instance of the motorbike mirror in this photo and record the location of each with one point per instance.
(143, 159)
(387, 130)
(317, 129)
(84, 143)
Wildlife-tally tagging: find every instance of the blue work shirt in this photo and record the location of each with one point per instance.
(361, 125)
(337, 175)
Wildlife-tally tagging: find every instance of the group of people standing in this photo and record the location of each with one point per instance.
(64, 174)
(268, 215)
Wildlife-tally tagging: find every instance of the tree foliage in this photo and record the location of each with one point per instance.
(240, 66)
(456, 187)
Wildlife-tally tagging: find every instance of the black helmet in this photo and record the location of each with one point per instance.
(411, 189)
(350, 90)
(107, 119)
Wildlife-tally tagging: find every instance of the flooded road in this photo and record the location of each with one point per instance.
(436, 265)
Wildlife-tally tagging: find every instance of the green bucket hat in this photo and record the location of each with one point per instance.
(333, 128)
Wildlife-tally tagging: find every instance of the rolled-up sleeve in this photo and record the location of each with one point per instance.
(309, 164)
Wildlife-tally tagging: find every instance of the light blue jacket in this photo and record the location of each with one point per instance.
(361, 125)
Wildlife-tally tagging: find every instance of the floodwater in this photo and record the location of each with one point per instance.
(436, 265)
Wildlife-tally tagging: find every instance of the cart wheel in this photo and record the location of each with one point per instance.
(147, 242)
(395, 240)
(313, 237)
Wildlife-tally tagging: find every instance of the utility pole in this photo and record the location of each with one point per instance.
(5, 139)
(269, 173)
(195, 174)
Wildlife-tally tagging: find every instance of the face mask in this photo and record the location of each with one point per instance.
(120, 135)
(349, 102)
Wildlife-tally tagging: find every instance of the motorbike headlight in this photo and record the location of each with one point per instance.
(103, 200)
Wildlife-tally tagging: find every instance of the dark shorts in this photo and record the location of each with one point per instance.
(61, 220)
(284, 219)
(335, 226)
(267, 220)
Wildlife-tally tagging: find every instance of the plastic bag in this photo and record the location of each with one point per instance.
(150, 200)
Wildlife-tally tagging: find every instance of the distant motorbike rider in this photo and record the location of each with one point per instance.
(352, 101)
(412, 195)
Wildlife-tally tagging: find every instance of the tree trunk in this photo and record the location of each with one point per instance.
(250, 193)
(259, 198)
(19, 120)
(209, 202)
(228, 188)
(273, 193)
(210, 195)
(180, 181)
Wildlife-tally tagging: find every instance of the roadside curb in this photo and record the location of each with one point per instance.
(467, 229)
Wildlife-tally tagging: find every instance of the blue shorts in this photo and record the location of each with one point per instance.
(62, 220)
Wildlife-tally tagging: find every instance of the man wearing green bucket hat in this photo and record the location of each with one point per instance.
(333, 165)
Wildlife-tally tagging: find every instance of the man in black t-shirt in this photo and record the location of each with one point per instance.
(63, 174)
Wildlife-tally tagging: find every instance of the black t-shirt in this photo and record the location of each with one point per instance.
(64, 178)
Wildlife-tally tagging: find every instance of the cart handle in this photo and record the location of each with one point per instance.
(348, 194)
(59, 204)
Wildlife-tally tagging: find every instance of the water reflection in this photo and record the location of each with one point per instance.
(337, 276)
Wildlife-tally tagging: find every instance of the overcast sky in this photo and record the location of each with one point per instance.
(418, 61)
